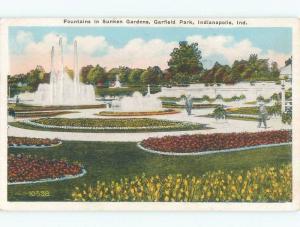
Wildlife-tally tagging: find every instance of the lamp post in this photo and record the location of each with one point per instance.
(282, 95)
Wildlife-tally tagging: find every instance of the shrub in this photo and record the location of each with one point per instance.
(219, 112)
(260, 98)
(242, 97)
(206, 98)
(275, 110)
(219, 97)
(286, 117)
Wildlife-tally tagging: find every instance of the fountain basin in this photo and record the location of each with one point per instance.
(136, 103)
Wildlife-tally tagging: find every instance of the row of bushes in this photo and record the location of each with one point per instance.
(205, 98)
(126, 91)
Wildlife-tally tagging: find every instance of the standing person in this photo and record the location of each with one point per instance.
(188, 104)
(17, 100)
(262, 115)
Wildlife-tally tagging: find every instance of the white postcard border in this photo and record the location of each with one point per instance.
(153, 206)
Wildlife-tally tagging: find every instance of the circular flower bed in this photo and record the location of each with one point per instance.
(214, 142)
(126, 124)
(31, 142)
(146, 113)
(28, 169)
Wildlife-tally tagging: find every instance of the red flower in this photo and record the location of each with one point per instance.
(216, 141)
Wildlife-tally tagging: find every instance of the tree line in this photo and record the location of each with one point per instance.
(184, 67)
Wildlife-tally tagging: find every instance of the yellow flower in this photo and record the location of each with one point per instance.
(240, 178)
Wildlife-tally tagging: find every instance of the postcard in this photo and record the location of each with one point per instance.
(150, 114)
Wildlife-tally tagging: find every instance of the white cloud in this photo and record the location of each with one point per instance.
(225, 46)
(23, 37)
(91, 44)
(280, 58)
(231, 50)
(136, 53)
(139, 53)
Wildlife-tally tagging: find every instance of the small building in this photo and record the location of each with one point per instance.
(285, 76)
(286, 72)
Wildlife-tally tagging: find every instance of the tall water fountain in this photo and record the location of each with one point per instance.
(62, 90)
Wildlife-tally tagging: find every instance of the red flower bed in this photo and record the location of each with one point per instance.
(27, 168)
(18, 141)
(216, 141)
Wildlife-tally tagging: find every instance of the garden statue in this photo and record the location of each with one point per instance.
(188, 104)
(262, 115)
(17, 100)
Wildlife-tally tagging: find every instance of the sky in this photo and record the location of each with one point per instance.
(143, 46)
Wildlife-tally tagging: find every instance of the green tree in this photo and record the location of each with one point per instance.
(221, 73)
(84, 73)
(97, 75)
(182, 78)
(112, 73)
(124, 74)
(135, 76)
(196, 78)
(152, 75)
(289, 61)
(186, 59)
(275, 70)
(35, 77)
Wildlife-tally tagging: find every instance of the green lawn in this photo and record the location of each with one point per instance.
(107, 161)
